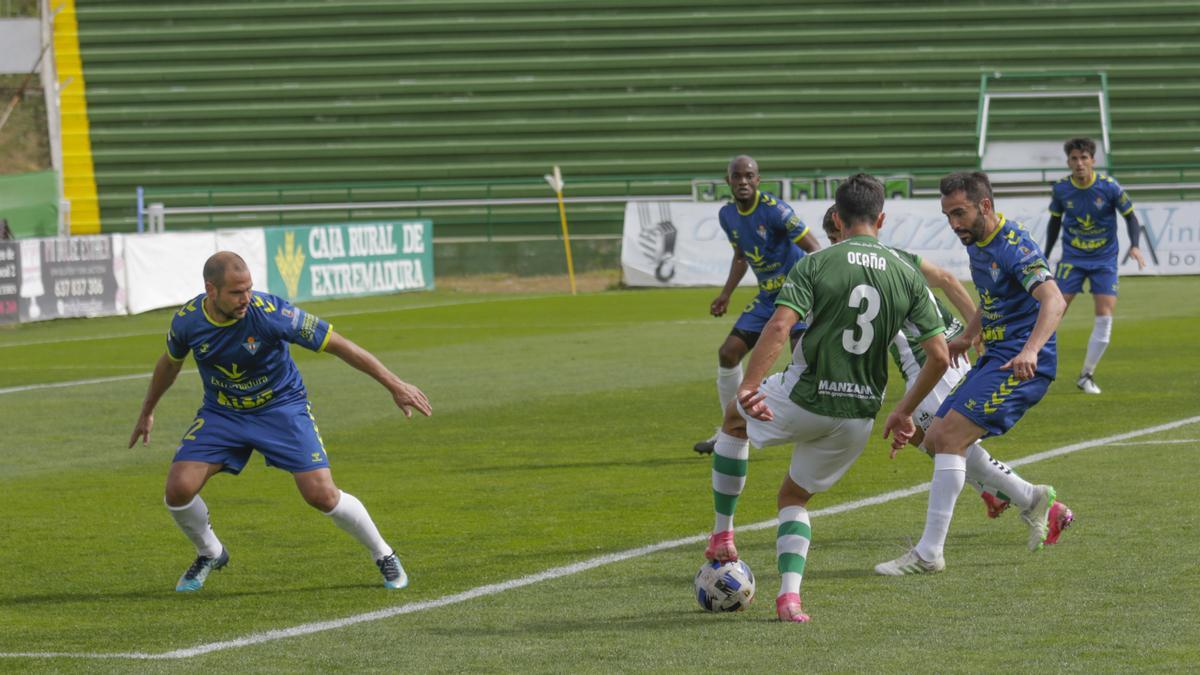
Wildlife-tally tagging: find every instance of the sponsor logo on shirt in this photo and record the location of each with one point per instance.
(850, 389)
(233, 373)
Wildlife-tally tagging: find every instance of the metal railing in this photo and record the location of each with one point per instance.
(154, 209)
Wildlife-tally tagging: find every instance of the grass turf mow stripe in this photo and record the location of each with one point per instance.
(565, 570)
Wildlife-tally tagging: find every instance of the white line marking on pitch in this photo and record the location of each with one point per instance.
(1180, 440)
(73, 383)
(330, 315)
(557, 572)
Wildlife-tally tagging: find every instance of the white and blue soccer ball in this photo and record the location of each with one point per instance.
(724, 587)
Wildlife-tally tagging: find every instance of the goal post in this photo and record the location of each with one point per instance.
(996, 87)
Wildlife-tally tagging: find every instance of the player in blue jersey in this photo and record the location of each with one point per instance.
(996, 483)
(254, 399)
(1084, 207)
(768, 237)
(1019, 310)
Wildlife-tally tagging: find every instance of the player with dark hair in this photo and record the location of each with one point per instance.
(768, 237)
(1084, 205)
(856, 296)
(997, 484)
(254, 399)
(1020, 308)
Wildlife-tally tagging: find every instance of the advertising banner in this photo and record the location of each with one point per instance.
(681, 243)
(10, 282)
(69, 277)
(331, 261)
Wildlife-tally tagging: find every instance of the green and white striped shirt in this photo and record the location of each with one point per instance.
(856, 296)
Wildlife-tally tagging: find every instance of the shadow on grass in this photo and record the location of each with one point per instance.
(168, 594)
(617, 462)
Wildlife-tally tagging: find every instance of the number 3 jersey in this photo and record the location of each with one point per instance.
(244, 363)
(856, 295)
(1006, 268)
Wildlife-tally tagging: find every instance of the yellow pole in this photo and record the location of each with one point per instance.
(556, 182)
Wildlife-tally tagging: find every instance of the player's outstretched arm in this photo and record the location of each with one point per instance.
(808, 243)
(1024, 364)
(1052, 230)
(737, 270)
(940, 277)
(165, 372)
(1134, 228)
(899, 423)
(969, 338)
(762, 357)
(406, 396)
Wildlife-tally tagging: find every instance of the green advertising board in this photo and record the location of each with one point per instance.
(335, 261)
(29, 202)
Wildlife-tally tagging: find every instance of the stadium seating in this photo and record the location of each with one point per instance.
(480, 98)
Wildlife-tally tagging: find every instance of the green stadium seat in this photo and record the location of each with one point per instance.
(303, 98)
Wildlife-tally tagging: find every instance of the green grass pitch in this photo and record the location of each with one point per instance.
(562, 432)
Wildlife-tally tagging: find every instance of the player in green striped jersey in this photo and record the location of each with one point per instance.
(856, 297)
(997, 484)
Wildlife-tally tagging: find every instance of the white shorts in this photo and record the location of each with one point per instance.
(928, 407)
(824, 447)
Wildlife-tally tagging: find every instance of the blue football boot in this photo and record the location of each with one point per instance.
(394, 576)
(193, 578)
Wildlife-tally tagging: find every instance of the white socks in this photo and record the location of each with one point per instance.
(352, 516)
(728, 381)
(949, 475)
(997, 478)
(731, 459)
(192, 518)
(1097, 343)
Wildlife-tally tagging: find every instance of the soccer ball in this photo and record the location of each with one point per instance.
(724, 587)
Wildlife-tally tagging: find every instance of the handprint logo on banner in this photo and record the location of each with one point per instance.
(657, 239)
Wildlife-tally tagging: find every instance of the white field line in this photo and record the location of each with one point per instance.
(137, 376)
(1179, 440)
(74, 383)
(330, 315)
(557, 572)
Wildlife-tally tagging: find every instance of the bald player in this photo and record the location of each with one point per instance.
(254, 399)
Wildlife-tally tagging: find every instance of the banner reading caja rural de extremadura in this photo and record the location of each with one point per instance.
(333, 261)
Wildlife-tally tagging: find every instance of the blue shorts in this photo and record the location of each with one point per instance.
(1070, 277)
(756, 315)
(992, 398)
(286, 435)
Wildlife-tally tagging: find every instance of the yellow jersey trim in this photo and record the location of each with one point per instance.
(757, 199)
(1127, 211)
(325, 342)
(218, 324)
(992, 236)
(796, 239)
(1090, 183)
(1056, 215)
(172, 357)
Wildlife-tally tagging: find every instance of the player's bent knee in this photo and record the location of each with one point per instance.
(730, 357)
(177, 496)
(322, 500)
(951, 434)
(791, 494)
(734, 424)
